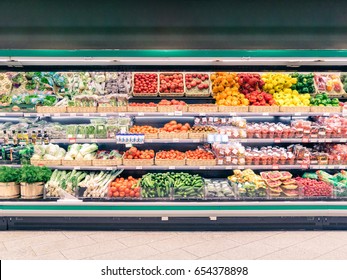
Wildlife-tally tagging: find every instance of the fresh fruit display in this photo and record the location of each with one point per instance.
(172, 154)
(260, 98)
(186, 185)
(135, 104)
(218, 188)
(173, 126)
(199, 154)
(269, 130)
(225, 88)
(118, 82)
(292, 98)
(280, 184)
(247, 184)
(156, 185)
(143, 129)
(277, 82)
(232, 153)
(134, 153)
(330, 83)
(178, 105)
(125, 187)
(249, 82)
(304, 84)
(145, 83)
(171, 83)
(338, 181)
(197, 83)
(323, 99)
(314, 188)
(269, 156)
(202, 129)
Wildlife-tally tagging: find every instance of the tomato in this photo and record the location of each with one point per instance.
(137, 194)
(116, 194)
(132, 194)
(122, 194)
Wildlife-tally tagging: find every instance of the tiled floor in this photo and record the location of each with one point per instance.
(173, 245)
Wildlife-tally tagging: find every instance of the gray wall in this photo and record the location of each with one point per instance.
(200, 24)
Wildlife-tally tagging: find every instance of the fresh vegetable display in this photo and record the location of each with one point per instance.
(197, 83)
(156, 185)
(143, 129)
(101, 154)
(260, 98)
(118, 82)
(134, 153)
(322, 99)
(172, 154)
(187, 186)
(304, 84)
(330, 83)
(344, 81)
(81, 152)
(9, 174)
(314, 188)
(125, 188)
(171, 83)
(48, 152)
(218, 188)
(199, 154)
(338, 181)
(173, 126)
(143, 104)
(202, 129)
(179, 105)
(33, 174)
(145, 83)
(249, 82)
(280, 184)
(278, 82)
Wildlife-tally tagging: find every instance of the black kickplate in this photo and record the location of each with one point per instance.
(171, 224)
(3, 223)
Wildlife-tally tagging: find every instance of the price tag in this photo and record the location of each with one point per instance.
(341, 167)
(266, 114)
(109, 168)
(172, 167)
(343, 140)
(77, 167)
(2, 114)
(140, 114)
(244, 140)
(138, 167)
(171, 114)
(321, 140)
(73, 114)
(178, 113)
(129, 145)
(329, 140)
(228, 167)
(240, 167)
(275, 166)
(202, 167)
(330, 166)
(202, 114)
(103, 115)
(72, 140)
(149, 140)
(232, 114)
(85, 114)
(304, 166)
(122, 114)
(196, 140)
(297, 114)
(277, 140)
(305, 140)
(56, 115)
(176, 140)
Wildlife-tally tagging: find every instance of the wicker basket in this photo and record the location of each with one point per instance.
(295, 109)
(138, 162)
(173, 135)
(171, 108)
(197, 135)
(82, 162)
(141, 109)
(326, 109)
(107, 109)
(196, 94)
(81, 109)
(107, 162)
(200, 162)
(171, 94)
(39, 162)
(50, 110)
(264, 109)
(31, 191)
(203, 109)
(151, 136)
(145, 93)
(9, 190)
(170, 162)
(238, 109)
(122, 108)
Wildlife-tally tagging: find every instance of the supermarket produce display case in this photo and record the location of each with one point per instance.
(232, 175)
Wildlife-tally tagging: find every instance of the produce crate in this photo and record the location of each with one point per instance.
(200, 135)
(39, 162)
(219, 189)
(122, 108)
(326, 109)
(145, 93)
(243, 193)
(50, 110)
(151, 135)
(198, 93)
(295, 109)
(195, 108)
(107, 162)
(107, 109)
(76, 162)
(171, 108)
(31, 191)
(173, 135)
(170, 162)
(9, 190)
(73, 109)
(138, 162)
(201, 162)
(264, 109)
(172, 94)
(142, 109)
(236, 109)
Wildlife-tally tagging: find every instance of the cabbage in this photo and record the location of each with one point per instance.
(74, 149)
(79, 157)
(68, 157)
(36, 156)
(52, 149)
(61, 153)
(39, 150)
(49, 157)
(88, 149)
(89, 156)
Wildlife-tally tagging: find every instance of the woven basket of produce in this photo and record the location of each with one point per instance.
(107, 162)
(151, 81)
(264, 109)
(200, 132)
(82, 162)
(173, 135)
(295, 109)
(81, 109)
(142, 108)
(203, 108)
(107, 109)
(31, 191)
(326, 109)
(172, 108)
(231, 109)
(39, 162)
(170, 162)
(151, 135)
(197, 84)
(122, 108)
(9, 190)
(200, 162)
(197, 135)
(138, 162)
(50, 110)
